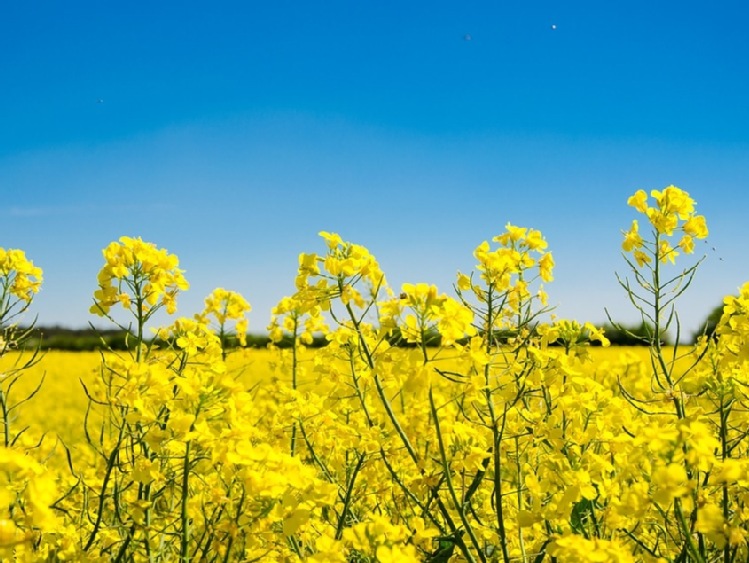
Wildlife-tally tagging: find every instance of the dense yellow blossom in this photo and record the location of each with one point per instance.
(132, 266)
(223, 307)
(674, 210)
(512, 439)
(19, 278)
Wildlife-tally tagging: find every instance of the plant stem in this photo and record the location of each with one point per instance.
(380, 390)
(451, 488)
(347, 499)
(184, 516)
(496, 432)
(294, 380)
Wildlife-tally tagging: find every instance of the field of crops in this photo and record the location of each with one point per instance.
(513, 441)
(59, 408)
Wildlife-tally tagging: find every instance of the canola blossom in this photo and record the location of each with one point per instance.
(512, 439)
(20, 280)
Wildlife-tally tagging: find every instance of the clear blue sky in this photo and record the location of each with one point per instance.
(232, 134)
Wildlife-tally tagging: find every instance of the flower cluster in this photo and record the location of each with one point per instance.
(225, 306)
(337, 273)
(507, 439)
(519, 250)
(19, 278)
(673, 212)
(137, 270)
(430, 312)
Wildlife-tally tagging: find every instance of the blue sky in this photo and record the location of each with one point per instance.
(232, 134)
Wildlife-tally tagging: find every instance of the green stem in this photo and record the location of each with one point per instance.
(725, 454)
(520, 495)
(139, 301)
(678, 405)
(240, 506)
(347, 499)
(685, 529)
(6, 418)
(451, 488)
(380, 389)
(184, 516)
(107, 475)
(496, 432)
(222, 340)
(294, 379)
(498, 487)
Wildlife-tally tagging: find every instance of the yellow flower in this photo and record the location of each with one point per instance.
(226, 306)
(666, 253)
(639, 201)
(632, 238)
(397, 554)
(513, 234)
(574, 548)
(149, 274)
(728, 471)
(543, 297)
(10, 535)
(545, 267)
(673, 200)
(642, 258)
(18, 275)
(671, 482)
(664, 223)
(464, 282)
(686, 244)
(180, 424)
(535, 240)
(709, 519)
(308, 263)
(455, 321)
(696, 226)
(596, 334)
(333, 240)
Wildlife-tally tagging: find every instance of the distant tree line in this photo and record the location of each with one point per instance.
(78, 340)
(90, 339)
(711, 323)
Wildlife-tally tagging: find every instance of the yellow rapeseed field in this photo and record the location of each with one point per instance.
(514, 440)
(60, 405)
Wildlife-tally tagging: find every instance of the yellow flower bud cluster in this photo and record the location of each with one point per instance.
(296, 318)
(673, 211)
(429, 311)
(138, 271)
(509, 272)
(519, 249)
(571, 333)
(18, 275)
(347, 271)
(344, 265)
(225, 306)
(192, 336)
